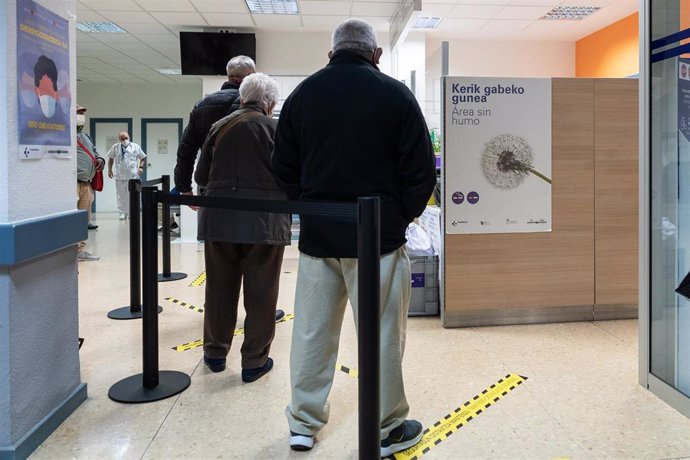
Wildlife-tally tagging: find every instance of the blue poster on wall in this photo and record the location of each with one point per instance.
(43, 82)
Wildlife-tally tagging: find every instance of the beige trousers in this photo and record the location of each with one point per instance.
(84, 201)
(323, 288)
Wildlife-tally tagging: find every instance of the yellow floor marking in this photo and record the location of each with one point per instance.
(238, 331)
(185, 304)
(199, 280)
(351, 372)
(460, 417)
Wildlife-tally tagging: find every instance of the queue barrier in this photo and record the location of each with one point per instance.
(154, 385)
(133, 310)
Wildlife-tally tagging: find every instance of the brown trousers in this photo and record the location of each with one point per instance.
(84, 201)
(226, 266)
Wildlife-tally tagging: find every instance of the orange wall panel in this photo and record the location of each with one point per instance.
(611, 52)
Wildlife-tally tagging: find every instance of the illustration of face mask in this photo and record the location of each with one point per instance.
(47, 105)
(81, 119)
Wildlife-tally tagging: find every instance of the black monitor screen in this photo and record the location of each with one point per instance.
(207, 53)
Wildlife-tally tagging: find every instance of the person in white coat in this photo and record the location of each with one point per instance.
(128, 159)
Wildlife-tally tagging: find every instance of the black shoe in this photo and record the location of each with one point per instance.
(403, 437)
(301, 442)
(92, 226)
(252, 375)
(280, 314)
(215, 364)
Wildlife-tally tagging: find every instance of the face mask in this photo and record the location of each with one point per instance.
(81, 119)
(47, 105)
(125, 143)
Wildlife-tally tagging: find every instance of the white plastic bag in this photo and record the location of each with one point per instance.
(418, 242)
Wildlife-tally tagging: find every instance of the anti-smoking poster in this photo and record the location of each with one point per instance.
(497, 156)
(43, 82)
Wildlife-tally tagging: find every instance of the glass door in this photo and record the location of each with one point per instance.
(665, 325)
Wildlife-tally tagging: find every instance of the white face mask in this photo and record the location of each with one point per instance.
(125, 143)
(47, 105)
(81, 119)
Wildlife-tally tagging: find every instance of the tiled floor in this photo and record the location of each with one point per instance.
(581, 399)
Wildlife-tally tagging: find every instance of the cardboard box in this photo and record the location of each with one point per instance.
(424, 297)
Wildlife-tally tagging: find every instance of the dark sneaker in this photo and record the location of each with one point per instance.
(280, 314)
(403, 437)
(92, 226)
(251, 375)
(301, 442)
(215, 364)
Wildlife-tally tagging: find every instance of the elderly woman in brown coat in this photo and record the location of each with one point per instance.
(242, 248)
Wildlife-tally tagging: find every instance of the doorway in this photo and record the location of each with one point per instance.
(159, 140)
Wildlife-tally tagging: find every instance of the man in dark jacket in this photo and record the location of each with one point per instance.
(242, 249)
(350, 131)
(206, 112)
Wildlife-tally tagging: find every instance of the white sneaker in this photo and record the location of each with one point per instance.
(123, 216)
(83, 255)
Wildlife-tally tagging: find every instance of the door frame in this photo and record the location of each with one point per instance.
(144, 129)
(92, 134)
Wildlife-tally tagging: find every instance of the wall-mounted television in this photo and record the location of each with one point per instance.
(207, 53)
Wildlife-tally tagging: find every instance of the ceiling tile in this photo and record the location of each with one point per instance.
(499, 26)
(88, 60)
(536, 2)
(182, 19)
(228, 20)
(373, 9)
(89, 16)
(156, 28)
(129, 17)
(114, 5)
(438, 10)
(166, 5)
(325, 8)
(475, 11)
(461, 25)
(158, 38)
(81, 6)
(277, 20)
(522, 12)
(226, 6)
(380, 24)
(116, 38)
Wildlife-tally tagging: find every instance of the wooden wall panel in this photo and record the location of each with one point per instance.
(616, 157)
(504, 271)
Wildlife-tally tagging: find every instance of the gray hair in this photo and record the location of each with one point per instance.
(259, 89)
(240, 66)
(354, 35)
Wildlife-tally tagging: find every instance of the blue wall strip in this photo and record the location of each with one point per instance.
(671, 53)
(26, 240)
(674, 37)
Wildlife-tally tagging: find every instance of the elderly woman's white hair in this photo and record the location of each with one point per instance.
(354, 35)
(240, 66)
(259, 89)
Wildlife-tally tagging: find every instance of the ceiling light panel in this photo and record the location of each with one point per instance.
(272, 6)
(570, 13)
(426, 22)
(100, 27)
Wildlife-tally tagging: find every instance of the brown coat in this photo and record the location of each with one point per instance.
(238, 167)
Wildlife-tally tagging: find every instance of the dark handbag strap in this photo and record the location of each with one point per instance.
(231, 124)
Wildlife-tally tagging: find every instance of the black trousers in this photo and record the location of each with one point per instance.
(229, 268)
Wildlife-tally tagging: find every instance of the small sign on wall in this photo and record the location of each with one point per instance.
(162, 146)
(497, 155)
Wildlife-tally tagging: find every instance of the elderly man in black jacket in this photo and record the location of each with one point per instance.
(206, 112)
(349, 131)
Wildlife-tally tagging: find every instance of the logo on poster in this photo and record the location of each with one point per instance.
(458, 197)
(472, 197)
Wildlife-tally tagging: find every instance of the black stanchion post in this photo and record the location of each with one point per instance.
(152, 385)
(368, 300)
(166, 275)
(133, 311)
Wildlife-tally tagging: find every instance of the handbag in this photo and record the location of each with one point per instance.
(97, 181)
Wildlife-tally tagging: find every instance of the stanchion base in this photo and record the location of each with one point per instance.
(173, 277)
(131, 390)
(127, 313)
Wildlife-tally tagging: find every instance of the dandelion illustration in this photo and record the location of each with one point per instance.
(507, 160)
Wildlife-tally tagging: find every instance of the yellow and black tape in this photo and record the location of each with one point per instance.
(185, 304)
(238, 331)
(460, 417)
(351, 372)
(199, 280)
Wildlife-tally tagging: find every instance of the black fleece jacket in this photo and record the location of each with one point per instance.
(205, 112)
(349, 131)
